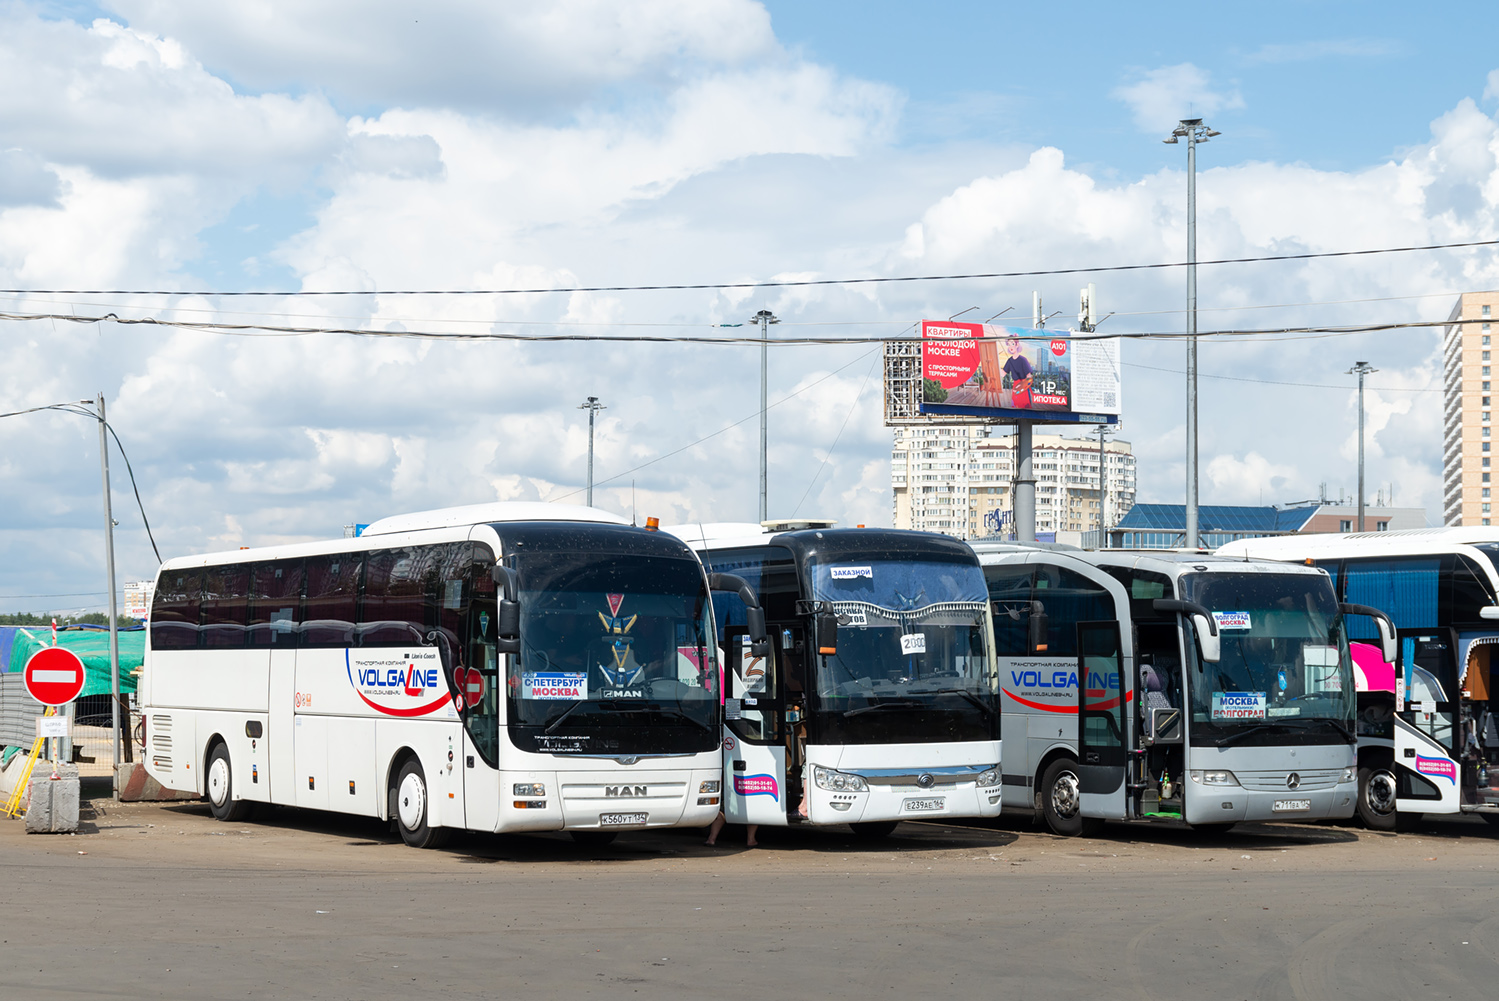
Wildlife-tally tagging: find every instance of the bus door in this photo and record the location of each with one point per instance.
(754, 745)
(1426, 733)
(1103, 720)
(483, 695)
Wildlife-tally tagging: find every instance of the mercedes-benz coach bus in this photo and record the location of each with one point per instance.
(1177, 687)
(500, 667)
(1427, 736)
(876, 701)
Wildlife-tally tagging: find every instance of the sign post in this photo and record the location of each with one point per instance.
(54, 676)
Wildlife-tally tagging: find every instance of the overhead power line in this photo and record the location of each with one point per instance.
(261, 329)
(789, 283)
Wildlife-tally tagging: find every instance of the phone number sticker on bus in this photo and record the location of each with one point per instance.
(1238, 705)
(398, 682)
(554, 685)
(1440, 767)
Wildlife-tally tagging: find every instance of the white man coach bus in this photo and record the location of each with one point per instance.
(499, 667)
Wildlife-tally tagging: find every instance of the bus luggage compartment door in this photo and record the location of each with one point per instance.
(1102, 720)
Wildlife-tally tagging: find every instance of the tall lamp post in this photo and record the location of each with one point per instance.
(1361, 369)
(593, 406)
(1192, 130)
(764, 318)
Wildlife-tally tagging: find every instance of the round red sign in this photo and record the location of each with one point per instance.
(54, 676)
(471, 685)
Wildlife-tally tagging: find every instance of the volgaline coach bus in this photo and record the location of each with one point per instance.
(1427, 736)
(1168, 686)
(876, 702)
(500, 667)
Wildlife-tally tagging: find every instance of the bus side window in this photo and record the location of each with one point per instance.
(1069, 598)
(275, 604)
(1010, 598)
(226, 606)
(175, 610)
(332, 599)
(748, 677)
(394, 609)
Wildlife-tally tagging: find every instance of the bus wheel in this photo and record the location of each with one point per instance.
(409, 802)
(1062, 801)
(594, 839)
(219, 788)
(1376, 798)
(873, 829)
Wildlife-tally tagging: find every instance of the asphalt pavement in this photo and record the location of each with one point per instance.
(162, 901)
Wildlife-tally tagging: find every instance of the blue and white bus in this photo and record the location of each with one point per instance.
(1428, 743)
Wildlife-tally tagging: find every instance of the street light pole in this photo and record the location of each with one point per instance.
(765, 318)
(1361, 369)
(593, 406)
(114, 624)
(1194, 132)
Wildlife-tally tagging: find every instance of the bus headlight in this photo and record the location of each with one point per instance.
(836, 781)
(709, 787)
(1349, 774)
(1214, 778)
(988, 777)
(529, 789)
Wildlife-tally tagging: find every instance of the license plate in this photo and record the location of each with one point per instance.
(922, 805)
(1288, 805)
(621, 819)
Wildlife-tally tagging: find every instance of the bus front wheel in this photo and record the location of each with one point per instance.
(409, 803)
(1062, 801)
(1376, 798)
(219, 788)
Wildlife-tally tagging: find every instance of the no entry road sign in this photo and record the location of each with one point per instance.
(54, 676)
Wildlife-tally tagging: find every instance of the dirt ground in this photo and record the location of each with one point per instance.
(163, 901)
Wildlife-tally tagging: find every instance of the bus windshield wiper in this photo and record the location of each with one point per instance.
(986, 707)
(554, 724)
(896, 704)
(1307, 722)
(1239, 735)
(634, 709)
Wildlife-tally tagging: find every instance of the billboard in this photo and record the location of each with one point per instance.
(138, 599)
(1018, 373)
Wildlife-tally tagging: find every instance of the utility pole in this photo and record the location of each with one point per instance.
(765, 318)
(1192, 130)
(1361, 369)
(114, 613)
(1025, 480)
(593, 406)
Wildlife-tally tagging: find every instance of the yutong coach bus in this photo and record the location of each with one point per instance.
(1427, 736)
(1170, 686)
(876, 702)
(501, 667)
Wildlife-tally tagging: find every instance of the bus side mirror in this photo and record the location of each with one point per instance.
(827, 633)
(754, 615)
(1039, 622)
(755, 622)
(507, 613)
(1489, 612)
(1389, 644)
(1208, 639)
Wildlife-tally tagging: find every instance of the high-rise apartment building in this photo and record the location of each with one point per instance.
(958, 479)
(1466, 442)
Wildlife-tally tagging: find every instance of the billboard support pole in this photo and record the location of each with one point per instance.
(1025, 480)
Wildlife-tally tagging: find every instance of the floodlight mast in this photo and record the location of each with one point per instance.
(1192, 130)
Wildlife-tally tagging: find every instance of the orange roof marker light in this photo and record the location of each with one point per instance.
(653, 524)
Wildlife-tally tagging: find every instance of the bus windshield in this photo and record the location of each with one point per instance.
(615, 656)
(1284, 657)
(913, 659)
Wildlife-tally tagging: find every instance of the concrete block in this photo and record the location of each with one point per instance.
(52, 804)
(137, 786)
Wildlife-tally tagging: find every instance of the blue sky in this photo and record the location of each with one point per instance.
(471, 143)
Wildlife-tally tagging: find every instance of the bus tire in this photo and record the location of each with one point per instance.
(1061, 801)
(594, 839)
(1376, 798)
(409, 802)
(218, 787)
(873, 830)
